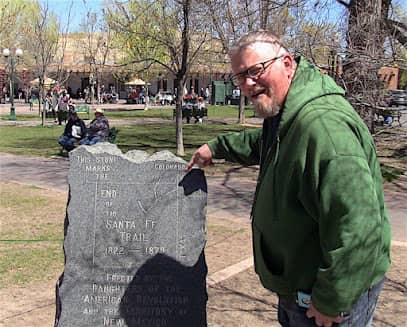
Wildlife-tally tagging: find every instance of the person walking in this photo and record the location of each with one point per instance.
(62, 112)
(321, 234)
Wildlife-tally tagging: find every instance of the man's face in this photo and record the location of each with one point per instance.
(267, 91)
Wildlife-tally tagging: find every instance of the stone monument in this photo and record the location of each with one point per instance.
(134, 241)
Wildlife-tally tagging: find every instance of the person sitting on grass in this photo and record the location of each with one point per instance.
(98, 129)
(74, 131)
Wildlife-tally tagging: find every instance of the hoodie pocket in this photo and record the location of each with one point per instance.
(263, 262)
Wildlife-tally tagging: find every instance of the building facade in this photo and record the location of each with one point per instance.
(82, 68)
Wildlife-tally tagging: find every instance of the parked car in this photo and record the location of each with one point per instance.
(165, 98)
(395, 98)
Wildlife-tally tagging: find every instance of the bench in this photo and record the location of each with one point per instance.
(83, 108)
(189, 111)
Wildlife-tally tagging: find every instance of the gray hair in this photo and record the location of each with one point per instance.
(259, 36)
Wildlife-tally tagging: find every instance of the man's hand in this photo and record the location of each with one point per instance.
(321, 319)
(202, 157)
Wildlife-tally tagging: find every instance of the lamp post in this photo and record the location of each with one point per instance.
(12, 62)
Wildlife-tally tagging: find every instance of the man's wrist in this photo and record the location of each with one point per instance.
(212, 144)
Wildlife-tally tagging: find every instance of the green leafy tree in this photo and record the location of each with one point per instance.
(14, 17)
(157, 35)
(42, 43)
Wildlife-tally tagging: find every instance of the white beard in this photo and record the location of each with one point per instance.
(266, 111)
(264, 108)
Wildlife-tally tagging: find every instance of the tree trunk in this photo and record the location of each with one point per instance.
(181, 74)
(92, 92)
(242, 118)
(146, 98)
(41, 99)
(365, 51)
(178, 118)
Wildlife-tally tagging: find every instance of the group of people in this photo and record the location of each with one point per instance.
(321, 234)
(59, 102)
(76, 132)
(194, 107)
(137, 96)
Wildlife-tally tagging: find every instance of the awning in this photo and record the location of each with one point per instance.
(135, 81)
(47, 81)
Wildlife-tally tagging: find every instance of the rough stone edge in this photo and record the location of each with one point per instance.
(136, 156)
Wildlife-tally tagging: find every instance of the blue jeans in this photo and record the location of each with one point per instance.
(361, 314)
(67, 142)
(90, 140)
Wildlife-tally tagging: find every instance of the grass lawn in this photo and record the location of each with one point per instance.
(31, 233)
(214, 112)
(36, 117)
(22, 117)
(38, 140)
(42, 141)
(152, 138)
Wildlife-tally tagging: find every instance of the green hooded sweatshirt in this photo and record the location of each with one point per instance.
(318, 218)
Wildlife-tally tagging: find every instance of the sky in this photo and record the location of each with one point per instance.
(78, 11)
(81, 7)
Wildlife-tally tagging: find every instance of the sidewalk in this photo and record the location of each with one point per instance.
(229, 196)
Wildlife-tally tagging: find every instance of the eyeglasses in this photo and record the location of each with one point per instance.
(253, 72)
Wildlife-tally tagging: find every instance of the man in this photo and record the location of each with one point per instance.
(199, 110)
(74, 131)
(63, 108)
(321, 235)
(98, 129)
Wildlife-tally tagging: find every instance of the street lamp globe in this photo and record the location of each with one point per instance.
(12, 61)
(19, 52)
(6, 52)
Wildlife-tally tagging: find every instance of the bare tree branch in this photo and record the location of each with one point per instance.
(398, 30)
(343, 3)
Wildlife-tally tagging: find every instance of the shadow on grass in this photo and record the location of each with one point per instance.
(400, 153)
(390, 173)
(237, 170)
